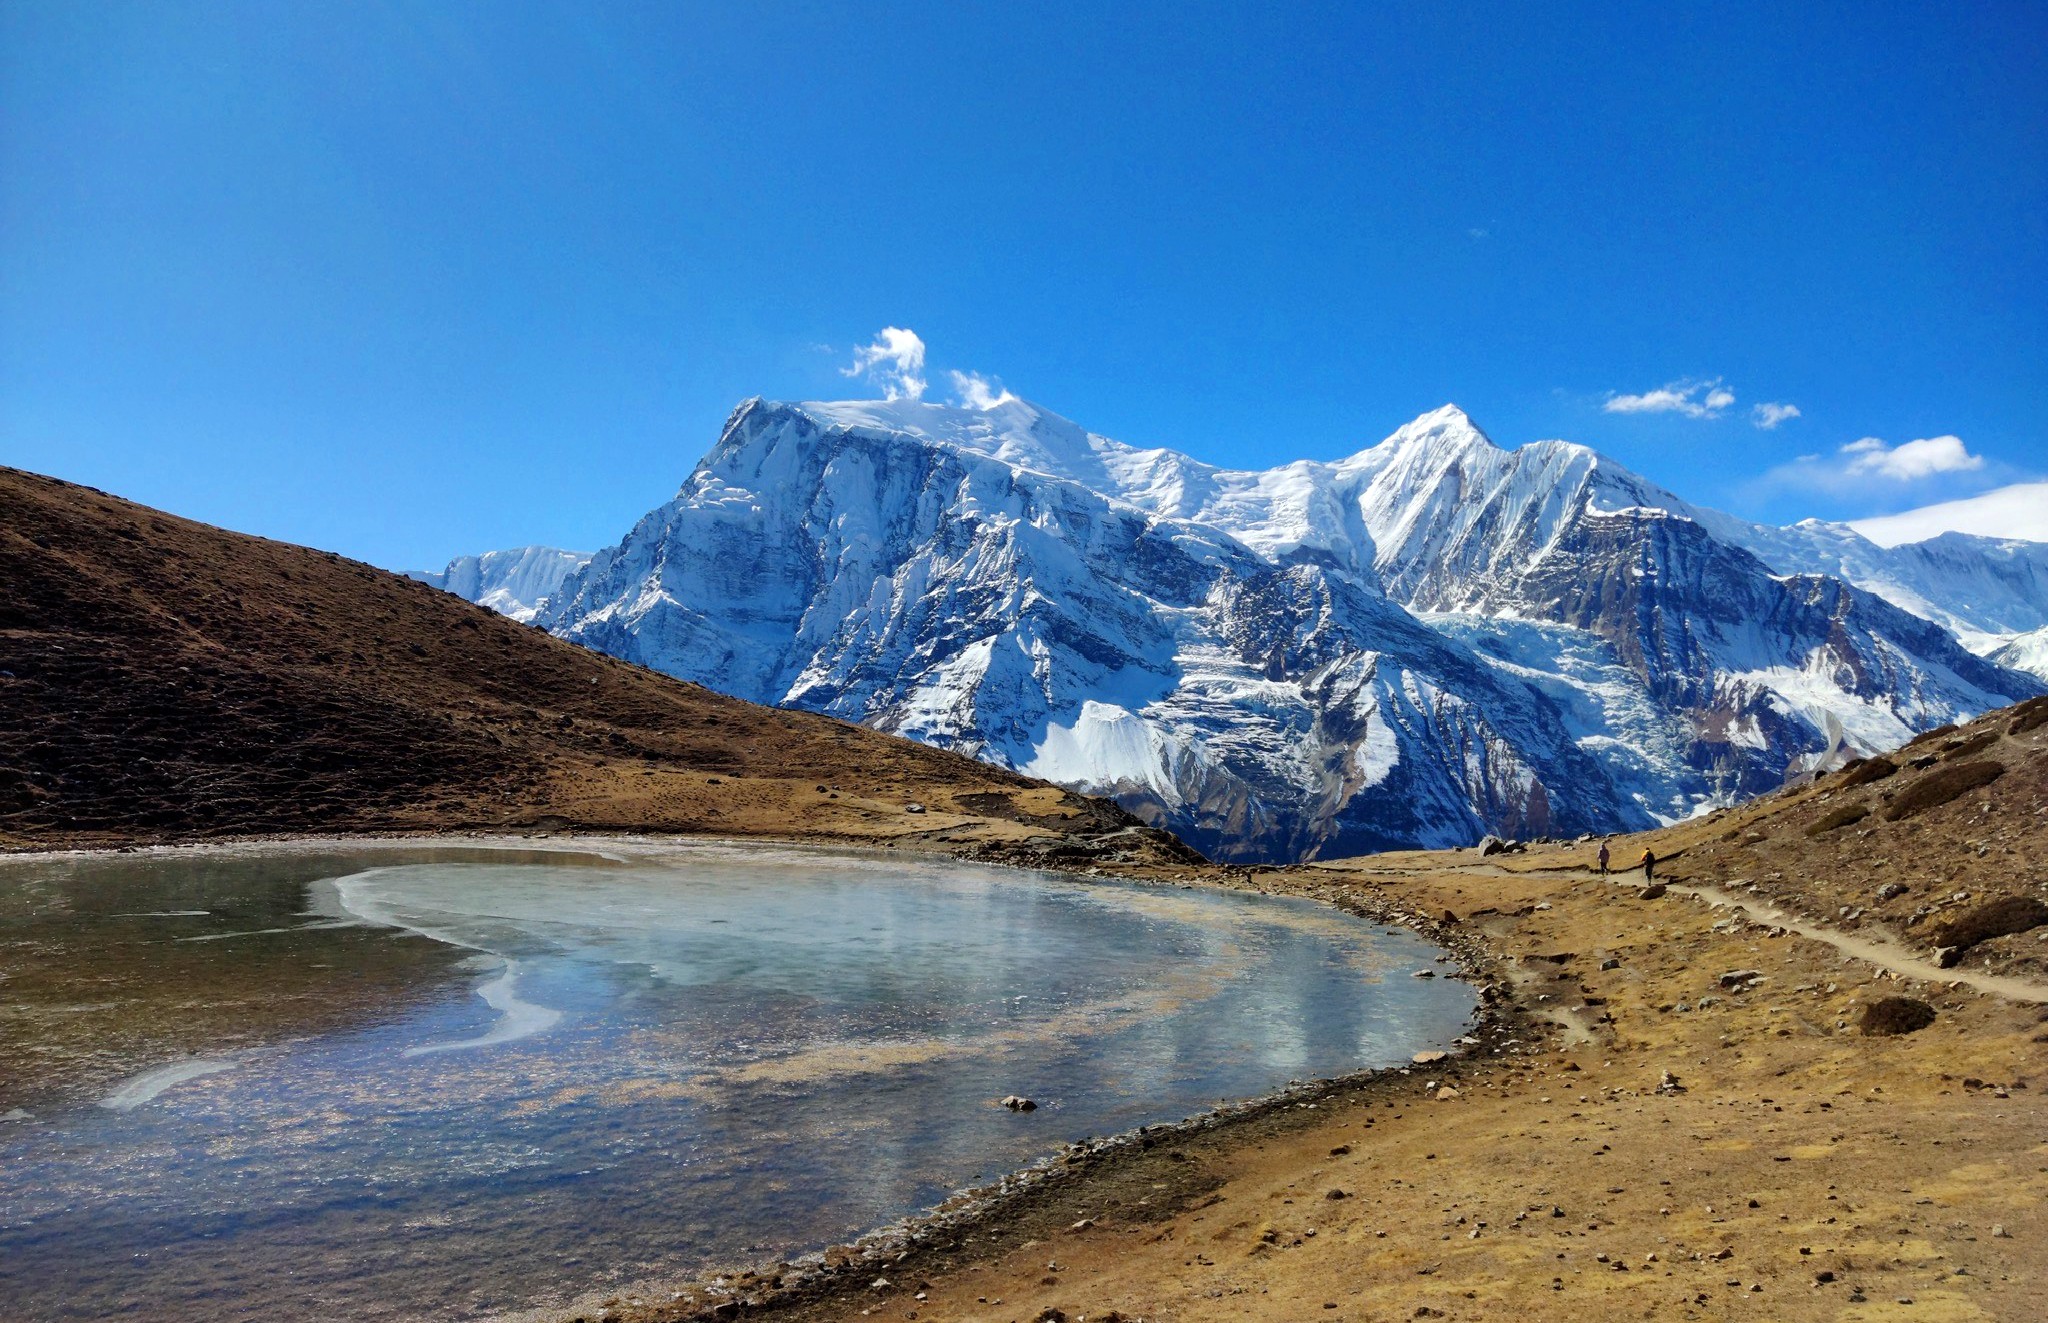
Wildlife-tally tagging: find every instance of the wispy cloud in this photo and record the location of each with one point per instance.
(1768, 416)
(978, 392)
(1690, 397)
(895, 362)
(2019, 511)
(1873, 470)
(1909, 460)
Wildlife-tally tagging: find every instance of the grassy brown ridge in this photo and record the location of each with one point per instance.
(162, 679)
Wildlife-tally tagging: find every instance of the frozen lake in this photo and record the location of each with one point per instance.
(472, 1083)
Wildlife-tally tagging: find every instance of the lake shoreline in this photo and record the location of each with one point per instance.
(1064, 1191)
(1034, 1196)
(1025, 1196)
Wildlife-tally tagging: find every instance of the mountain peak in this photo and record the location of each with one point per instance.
(1447, 432)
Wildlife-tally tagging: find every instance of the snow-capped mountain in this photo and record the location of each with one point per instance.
(1428, 640)
(512, 583)
(2025, 652)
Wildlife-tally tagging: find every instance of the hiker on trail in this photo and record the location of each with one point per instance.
(1649, 865)
(1603, 859)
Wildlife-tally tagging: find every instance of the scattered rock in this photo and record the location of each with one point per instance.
(1428, 1058)
(913, 807)
(1740, 979)
(1492, 845)
(1019, 1104)
(1896, 1015)
(1424, 973)
(1655, 891)
(1891, 891)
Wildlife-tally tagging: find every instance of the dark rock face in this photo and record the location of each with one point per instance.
(1896, 1015)
(1997, 918)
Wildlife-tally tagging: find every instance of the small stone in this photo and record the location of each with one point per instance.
(1336, 1194)
(913, 808)
(1428, 1058)
(1424, 973)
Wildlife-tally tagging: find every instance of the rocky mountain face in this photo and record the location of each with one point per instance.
(1424, 642)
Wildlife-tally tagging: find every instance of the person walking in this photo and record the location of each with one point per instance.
(1603, 859)
(1649, 866)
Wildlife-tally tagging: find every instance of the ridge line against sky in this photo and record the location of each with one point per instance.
(437, 278)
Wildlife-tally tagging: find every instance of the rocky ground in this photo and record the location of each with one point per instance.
(1678, 1108)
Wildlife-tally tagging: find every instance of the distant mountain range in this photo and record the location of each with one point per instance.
(1430, 640)
(512, 583)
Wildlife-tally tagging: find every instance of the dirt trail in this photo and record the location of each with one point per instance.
(1883, 952)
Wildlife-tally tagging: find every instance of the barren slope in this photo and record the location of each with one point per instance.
(163, 679)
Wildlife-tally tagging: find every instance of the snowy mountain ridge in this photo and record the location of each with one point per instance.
(513, 582)
(1416, 644)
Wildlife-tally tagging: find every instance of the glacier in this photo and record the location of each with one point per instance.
(1430, 640)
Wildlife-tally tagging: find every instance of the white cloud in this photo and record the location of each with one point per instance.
(895, 362)
(1694, 399)
(1768, 416)
(1909, 460)
(1875, 470)
(978, 392)
(2017, 511)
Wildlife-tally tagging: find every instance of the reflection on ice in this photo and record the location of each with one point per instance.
(147, 1086)
(516, 1019)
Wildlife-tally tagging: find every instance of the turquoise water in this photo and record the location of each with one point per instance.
(618, 1070)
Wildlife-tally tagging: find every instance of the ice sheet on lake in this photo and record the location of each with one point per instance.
(146, 1086)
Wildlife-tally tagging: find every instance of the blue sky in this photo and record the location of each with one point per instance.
(406, 280)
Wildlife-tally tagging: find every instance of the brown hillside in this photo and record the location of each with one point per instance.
(164, 679)
(1935, 846)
